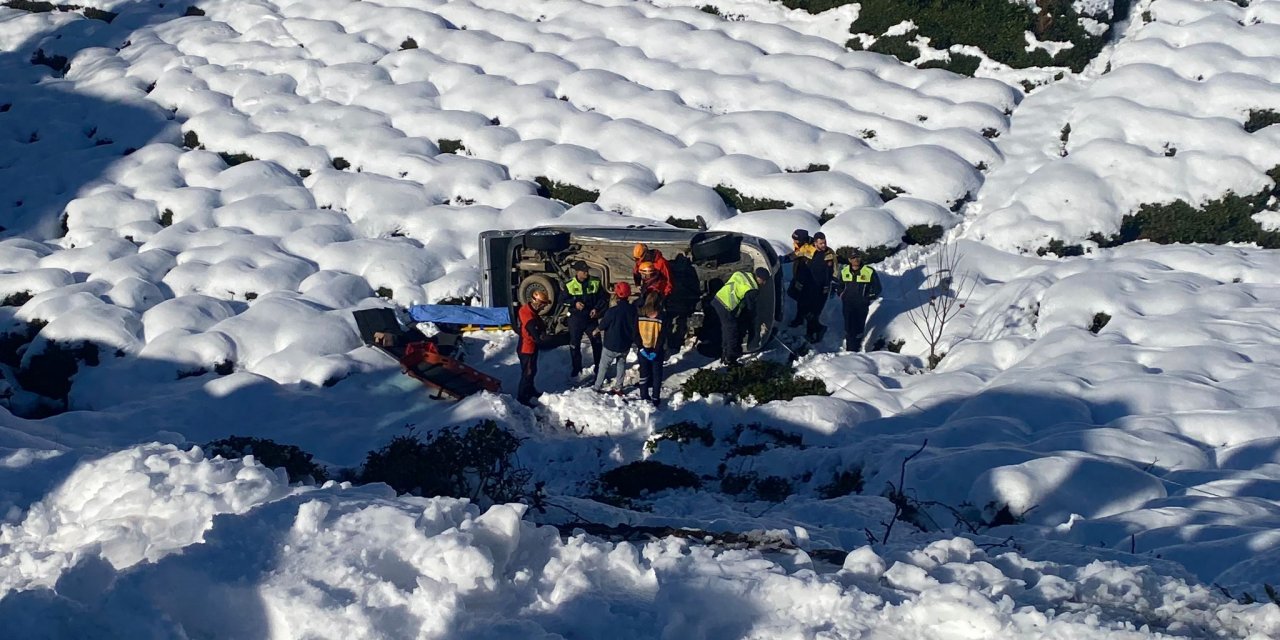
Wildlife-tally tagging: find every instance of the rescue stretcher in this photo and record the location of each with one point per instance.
(430, 360)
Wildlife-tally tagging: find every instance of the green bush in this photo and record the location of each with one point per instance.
(923, 234)
(891, 192)
(1061, 249)
(681, 433)
(812, 168)
(960, 63)
(743, 203)
(233, 159)
(1260, 119)
(409, 43)
(1226, 219)
(635, 479)
(773, 488)
(1100, 320)
(296, 462)
(49, 373)
(16, 299)
(760, 379)
(844, 483)
(567, 193)
(873, 255)
(450, 146)
(996, 26)
(711, 9)
(193, 11)
(340, 163)
(480, 462)
(899, 46)
(58, 63)
(191, 140)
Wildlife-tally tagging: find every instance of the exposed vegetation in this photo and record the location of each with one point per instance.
(683, 223)
(566, 193)
(923, 234)
(296, 462)
(872, 255)
(478, 463)
(450, 146)
(636, 479)
(846, 482)
(1100, 320)
(1260, 119)
(760, 379)
(340, 163)
(743, 203)
(960, 63)
(682, 433)
(16, 299)
(409, 43)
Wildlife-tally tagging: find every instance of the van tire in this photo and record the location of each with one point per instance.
(547, 240)
(535, 282)
(716, 247)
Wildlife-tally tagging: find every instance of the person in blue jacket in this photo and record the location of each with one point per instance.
(619, 328)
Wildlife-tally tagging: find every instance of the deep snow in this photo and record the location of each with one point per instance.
(1143, 461)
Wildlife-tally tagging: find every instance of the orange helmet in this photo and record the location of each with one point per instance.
(645, 266)
(637, 252)
(539, 296)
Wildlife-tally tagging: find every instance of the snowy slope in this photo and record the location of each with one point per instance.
(205, 198)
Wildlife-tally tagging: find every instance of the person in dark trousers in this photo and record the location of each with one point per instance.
(531, 331)
(619, 328)
(858, 285)
(735, 305)
(801, 286)
(587, 303)
(821, 266)
(651, 342)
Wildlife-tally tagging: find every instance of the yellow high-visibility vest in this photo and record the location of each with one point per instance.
(575, 288)
(733, 291)
(863, 276)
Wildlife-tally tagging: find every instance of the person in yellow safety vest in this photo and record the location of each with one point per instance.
(735, 305)
(858, 285)
(587, 303)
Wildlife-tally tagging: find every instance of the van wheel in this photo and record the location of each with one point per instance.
(538, 282)
(547, 240)
(716, 247)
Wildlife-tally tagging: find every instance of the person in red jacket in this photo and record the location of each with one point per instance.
(653, 281)
(642, 254)
(531, 330)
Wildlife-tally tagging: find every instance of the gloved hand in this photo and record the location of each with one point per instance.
(648, 355)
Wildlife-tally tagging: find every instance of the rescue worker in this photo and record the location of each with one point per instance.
(822, 266)
(858, 285)
(642, 254)
(587, 303)
(802, 285)
(619, 328)
(653, 281)
(650, 340)
(735, 305)
(532, 334)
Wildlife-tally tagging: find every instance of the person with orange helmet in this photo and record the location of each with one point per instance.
(531, 330)
(642, 254)
(653, 281)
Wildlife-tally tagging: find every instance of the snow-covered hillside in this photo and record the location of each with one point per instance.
(194, 198)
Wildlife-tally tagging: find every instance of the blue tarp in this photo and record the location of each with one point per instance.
(455, 314)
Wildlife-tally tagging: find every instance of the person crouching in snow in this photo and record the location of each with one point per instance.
(650, 339)
(619, 328)
(735, 305)
(531, 331)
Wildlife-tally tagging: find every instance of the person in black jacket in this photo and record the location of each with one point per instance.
(858, 285)
(619, 328)
(588, 301)
(821, 267)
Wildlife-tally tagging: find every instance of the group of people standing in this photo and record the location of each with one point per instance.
(613, 324)
(818, 274)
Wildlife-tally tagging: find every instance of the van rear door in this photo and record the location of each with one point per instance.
(495, 267)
